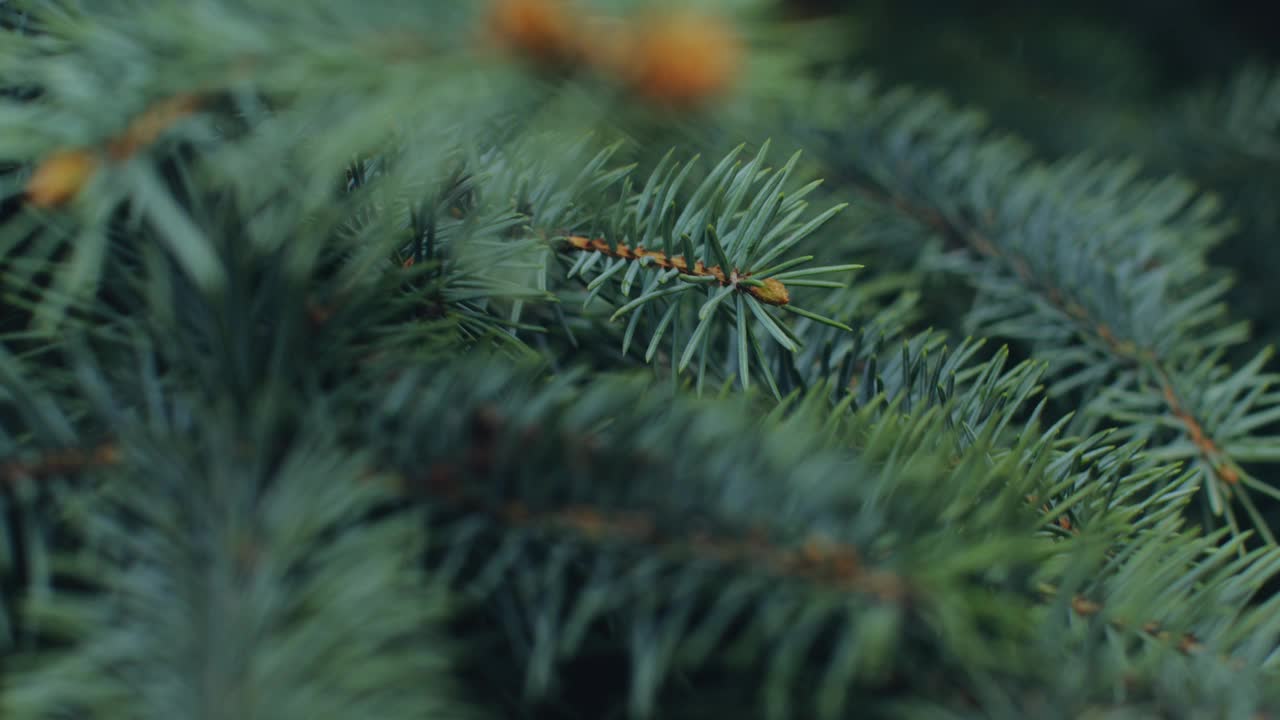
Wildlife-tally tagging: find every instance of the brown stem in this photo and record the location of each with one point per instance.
(773, 292)
(817, 560)
(1128, 350)
(60, 462)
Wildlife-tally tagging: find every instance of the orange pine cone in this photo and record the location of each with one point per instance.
(541, 30)
(60, 177)
(682, 59)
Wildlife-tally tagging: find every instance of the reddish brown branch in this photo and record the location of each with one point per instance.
(1128, 350)
(147, 127)
(773, 292)
(61, 175)
(60, 462)
(831, 564)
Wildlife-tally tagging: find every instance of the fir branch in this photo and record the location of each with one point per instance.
(1224, 468)
(223, 600)
(60, 177)
(1241, 118)
(66, 462)
(498, 453)
(1012, 191)
(876, 542)
(836, 567)
(746, 245)
(771, 291)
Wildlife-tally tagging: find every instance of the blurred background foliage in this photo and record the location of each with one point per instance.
(1036, 552)
(1188, 87)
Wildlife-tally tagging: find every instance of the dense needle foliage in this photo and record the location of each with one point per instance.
(537, 359)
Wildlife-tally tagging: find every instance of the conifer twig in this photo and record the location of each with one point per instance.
(831, 564)
(60, 462)
(61, 175)
(1224, 468)
(771, 291)
(1188, 643)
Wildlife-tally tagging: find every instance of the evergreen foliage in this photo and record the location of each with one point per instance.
(520, 359)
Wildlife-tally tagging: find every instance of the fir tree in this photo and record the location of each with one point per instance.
(532, 358)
